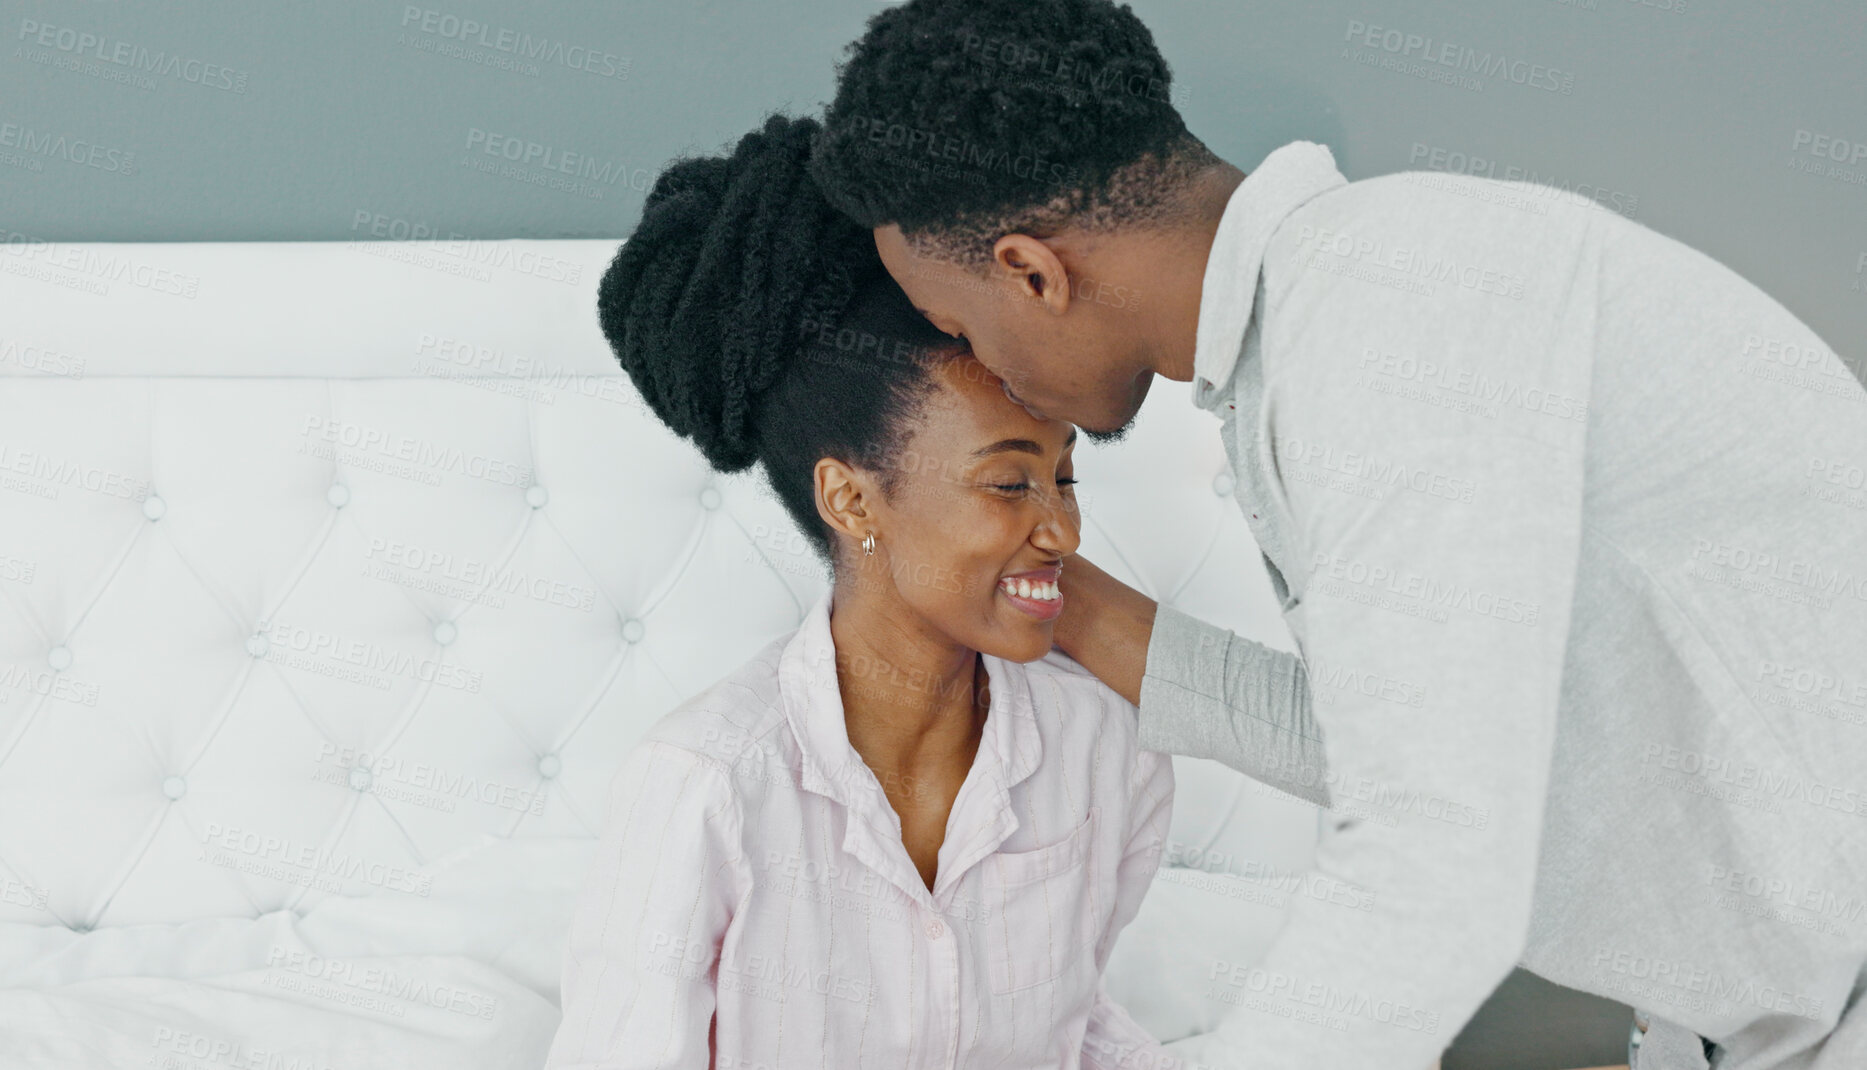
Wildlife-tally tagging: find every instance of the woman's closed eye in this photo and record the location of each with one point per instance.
(1066, 481)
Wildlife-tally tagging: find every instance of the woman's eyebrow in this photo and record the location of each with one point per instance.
(1020, 445)
(1008, 445)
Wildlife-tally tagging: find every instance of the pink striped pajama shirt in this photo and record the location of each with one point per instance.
(751, 905)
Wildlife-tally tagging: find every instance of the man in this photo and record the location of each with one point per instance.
(1557, 508)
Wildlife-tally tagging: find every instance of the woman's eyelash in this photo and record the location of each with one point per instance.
(1065, 481)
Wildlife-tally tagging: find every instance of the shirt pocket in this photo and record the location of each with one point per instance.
(1043, 909)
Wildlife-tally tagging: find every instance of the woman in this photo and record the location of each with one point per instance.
(887, 840)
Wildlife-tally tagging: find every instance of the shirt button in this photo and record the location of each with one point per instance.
(936, 929)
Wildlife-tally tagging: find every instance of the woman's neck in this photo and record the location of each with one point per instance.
(914, 701)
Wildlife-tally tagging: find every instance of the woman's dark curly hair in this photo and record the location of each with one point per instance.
(759, 322)
(962, 120)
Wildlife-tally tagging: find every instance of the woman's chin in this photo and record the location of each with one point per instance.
(1027, 642)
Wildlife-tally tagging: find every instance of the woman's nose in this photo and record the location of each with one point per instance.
(1061, 529)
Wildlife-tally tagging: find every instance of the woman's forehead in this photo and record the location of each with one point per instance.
(971, 404)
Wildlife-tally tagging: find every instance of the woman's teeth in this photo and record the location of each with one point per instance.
(1042, 592)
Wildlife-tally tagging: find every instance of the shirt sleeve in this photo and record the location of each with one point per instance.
(1113, 1039)
(642, 959)
(1210, 693)
(1454, 582)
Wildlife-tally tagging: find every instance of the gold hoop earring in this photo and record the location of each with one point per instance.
(868, 544)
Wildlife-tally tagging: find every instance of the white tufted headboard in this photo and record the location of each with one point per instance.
(327, 566)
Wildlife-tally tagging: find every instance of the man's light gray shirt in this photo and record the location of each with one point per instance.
(1567, 519)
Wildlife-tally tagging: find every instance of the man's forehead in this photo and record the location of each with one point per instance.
(890, 240)
(928, 283)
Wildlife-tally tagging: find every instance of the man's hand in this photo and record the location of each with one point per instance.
(1105, 625)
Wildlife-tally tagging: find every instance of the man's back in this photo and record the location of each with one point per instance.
(1704, 838)
(1711, 753)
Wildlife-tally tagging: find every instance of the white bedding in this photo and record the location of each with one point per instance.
(462, 979)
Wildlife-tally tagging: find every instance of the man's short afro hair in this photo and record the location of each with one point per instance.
(960, 120)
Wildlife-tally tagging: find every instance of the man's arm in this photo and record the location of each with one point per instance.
(1202, 691)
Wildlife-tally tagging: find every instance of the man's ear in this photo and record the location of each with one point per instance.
(1034, 270)
(844, 497)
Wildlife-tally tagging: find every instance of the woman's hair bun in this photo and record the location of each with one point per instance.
(735, 261)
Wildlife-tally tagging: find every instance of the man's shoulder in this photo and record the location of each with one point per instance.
(1418, 298)
(1365, 215)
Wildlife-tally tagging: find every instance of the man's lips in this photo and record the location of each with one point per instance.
(1016, 400)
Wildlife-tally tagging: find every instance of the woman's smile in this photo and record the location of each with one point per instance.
(1034, 593)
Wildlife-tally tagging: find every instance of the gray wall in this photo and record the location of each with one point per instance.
(342, 119)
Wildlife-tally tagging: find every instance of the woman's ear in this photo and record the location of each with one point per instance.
(843, 497)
